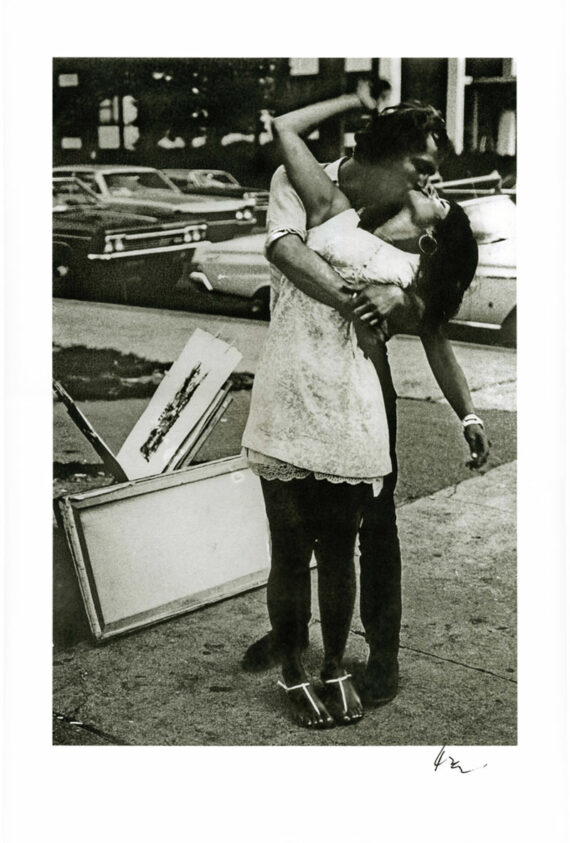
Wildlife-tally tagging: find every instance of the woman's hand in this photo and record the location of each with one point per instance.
(478, 445)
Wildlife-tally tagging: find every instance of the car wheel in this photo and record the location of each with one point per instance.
(260, 304)
(509, 329)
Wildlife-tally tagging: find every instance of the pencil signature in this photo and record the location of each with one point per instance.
(443, 758)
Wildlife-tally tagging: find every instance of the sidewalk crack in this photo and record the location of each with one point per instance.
(446, 659)
(71, 721)
(460, 664)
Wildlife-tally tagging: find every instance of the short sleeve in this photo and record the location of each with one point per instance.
(286, 213)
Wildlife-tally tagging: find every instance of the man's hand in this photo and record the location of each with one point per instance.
(478, 445)
(377, 303)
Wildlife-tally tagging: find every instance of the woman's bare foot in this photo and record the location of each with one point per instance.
(306, 707)
(342, 698)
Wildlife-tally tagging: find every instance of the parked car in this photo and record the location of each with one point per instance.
(475, 187)
(96, 248)
(236, 268)
(144, 190)
(220, 183)
(490, 301)
(240, 268)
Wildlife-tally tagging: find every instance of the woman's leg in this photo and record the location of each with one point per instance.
(288, 507)
(340, 509)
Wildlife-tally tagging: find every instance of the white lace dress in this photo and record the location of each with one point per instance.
(316, 404)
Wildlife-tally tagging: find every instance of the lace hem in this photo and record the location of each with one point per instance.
(292, 472)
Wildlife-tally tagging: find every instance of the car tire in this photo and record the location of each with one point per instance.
(260, 304)
(509, 329)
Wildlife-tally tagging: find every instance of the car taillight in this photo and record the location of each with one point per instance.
(193, 234)
(114, 243)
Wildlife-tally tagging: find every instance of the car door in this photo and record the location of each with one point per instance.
(492, 293)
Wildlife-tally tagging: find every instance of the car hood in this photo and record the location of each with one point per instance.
(179, 203)
(102, 218)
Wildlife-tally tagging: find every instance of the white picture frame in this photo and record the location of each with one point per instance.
(154, 548)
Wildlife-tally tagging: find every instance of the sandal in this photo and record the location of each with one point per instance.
(350, 711)
(306, 708)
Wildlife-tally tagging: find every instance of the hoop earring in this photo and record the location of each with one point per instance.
(427, 244)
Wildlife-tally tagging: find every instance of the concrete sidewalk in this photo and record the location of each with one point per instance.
(161, 335)
(180, 682)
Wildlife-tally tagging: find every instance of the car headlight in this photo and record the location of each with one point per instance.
(247, 215)
(239, 215)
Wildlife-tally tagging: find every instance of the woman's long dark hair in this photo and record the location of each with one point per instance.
(445, 275)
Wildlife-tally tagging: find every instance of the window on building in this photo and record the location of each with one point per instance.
(117, 119)
(303, 67)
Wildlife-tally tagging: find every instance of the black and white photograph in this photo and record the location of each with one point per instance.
(291, 472)
(375, 292)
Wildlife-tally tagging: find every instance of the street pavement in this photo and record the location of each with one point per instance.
(180, 682)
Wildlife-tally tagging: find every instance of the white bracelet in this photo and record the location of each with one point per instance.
(471, 418)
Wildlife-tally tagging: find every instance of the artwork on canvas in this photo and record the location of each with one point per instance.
(180, 408)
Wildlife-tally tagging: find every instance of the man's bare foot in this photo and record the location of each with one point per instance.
(306, 707)
(342, 699)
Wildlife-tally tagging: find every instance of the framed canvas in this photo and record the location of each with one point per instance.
(180, 407)
(150, 549)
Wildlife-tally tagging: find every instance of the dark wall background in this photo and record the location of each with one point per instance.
(211, 98)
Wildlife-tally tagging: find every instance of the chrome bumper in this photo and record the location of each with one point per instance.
(133, 253)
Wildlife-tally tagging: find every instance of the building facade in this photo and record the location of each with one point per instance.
(214, 112)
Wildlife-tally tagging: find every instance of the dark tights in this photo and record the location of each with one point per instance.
(306, 515)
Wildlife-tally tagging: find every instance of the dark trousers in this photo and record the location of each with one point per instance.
(380, 559)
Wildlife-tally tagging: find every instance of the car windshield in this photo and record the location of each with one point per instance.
(70, 193)
(217, 180)
(133, 183)
(492, 218)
